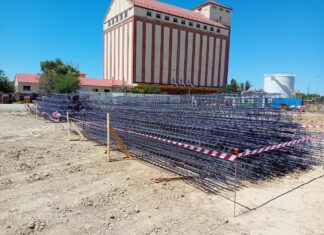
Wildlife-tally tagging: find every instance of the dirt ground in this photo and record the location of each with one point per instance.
(49, 185)
(311, 118)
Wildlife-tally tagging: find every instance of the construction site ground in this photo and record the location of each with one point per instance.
(50, 185)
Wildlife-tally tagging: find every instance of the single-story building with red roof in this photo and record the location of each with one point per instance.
(26, 83)
(29, 83)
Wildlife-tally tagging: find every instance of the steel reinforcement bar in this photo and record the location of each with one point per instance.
(195, 136)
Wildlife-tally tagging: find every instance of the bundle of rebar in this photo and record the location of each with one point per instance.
(155, 129)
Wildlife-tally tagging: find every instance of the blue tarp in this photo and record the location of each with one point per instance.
(291, 102)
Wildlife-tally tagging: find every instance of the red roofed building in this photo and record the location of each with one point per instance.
(151, 42)
(100, 85)
(28, 83)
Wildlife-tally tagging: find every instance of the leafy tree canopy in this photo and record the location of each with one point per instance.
(67, 84)
(234, 86)
(246, 86)
(146, 89)
(53, 71)
(6, 86)
(314, 97)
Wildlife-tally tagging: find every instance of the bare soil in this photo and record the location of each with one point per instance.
(50, 185)
(312, 118)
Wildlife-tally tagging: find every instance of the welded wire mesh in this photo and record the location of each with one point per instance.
(218, 122)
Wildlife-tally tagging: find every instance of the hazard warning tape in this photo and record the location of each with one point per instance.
(228, 156)
(215, 153)
(247, 153)
(202, 150)
(314, 126)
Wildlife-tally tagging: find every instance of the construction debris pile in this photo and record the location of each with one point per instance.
(195, 136)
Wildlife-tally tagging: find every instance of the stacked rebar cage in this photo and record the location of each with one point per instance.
(219, 122)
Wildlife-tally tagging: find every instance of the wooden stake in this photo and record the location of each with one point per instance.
(108, 137)
(36, 111)
(120, 143)
(236, 151)
(68, 124)
(77, 130)
(322, 151)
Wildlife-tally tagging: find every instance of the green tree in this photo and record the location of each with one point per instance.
(242, 86)
(146, 89)
(223, 89)
(151, 90)
(67, 84)
(6, 86)
(137, 90)
(248, 85)
(314, 97)
(52, 72)
(234, 86)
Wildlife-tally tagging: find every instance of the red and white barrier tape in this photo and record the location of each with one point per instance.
(209, 152)
(202, 150)
(280, 146)
(314, 126)
(218, 154)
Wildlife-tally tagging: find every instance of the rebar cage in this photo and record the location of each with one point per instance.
(219, 122)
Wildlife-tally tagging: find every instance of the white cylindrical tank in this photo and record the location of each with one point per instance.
(280, 83)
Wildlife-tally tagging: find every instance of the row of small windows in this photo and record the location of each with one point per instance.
(221, 9)
(118, 18)
(183, 22)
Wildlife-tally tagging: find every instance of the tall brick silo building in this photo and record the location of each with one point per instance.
(150, 42)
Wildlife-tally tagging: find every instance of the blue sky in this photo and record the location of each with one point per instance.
(268, 36)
